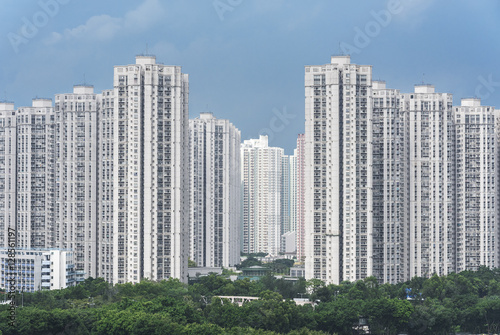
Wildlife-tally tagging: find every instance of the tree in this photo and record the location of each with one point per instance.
(250, 261)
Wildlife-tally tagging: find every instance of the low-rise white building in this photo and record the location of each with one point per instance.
(32, 270)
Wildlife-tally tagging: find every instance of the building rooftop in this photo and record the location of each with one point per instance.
(471, 102)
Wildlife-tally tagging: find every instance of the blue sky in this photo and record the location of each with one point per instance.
(246, 58)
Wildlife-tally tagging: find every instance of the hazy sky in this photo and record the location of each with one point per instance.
(246, 58)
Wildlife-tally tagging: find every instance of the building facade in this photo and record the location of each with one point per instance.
(390, 186)
(106, 181)
(76, 176)
(149, 159)
(431, 165)
(8, 171)
(35, 175)
(38, 269)
(397, 185)
(288, 198)
(477, 230)
(261, 196)
(214, 170)
(300, 197)
(338, 171)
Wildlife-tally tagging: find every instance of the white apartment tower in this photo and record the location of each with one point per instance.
(390, 186)
(300, 197)
(288, 194)
(35, 175)
(477, 230)
(215, 185)
(338, 171)
(149, 156)
(288, 200)
(76, 176)
(8, 168)
(106, 181)
(431, 164)
(261, 190)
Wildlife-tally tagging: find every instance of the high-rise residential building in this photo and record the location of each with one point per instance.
(35, 175)
(338, 171)
(8, 172)
(76, 176)
(300, 197)
(431, 165)
(215, 189)
(293, 192)
(288, 197)
(390, 186)
(106, 181)
(261, 190)
(396, 185)
(477, 185)
(149, 125)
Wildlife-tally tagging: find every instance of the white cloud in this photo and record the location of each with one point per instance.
(412, 11)
(102, 27)
(106, 27)
(144, 16)
(53, 38)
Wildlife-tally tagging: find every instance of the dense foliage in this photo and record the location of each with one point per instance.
(468, 301)
(278, 266)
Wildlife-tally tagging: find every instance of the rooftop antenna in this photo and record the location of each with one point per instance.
(84, 80)
(423, 78)
(147, 52)
(340, 50)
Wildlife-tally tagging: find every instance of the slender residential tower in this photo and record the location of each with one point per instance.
(214, 192)
(35, 175)
(150, 173)
(300, 197)
(477, 185)
(8, 171)
(431, 164)
(390, 186)
(261, 191)
(338, 171)
(76, 176)
(288, 203)
(106, 182)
